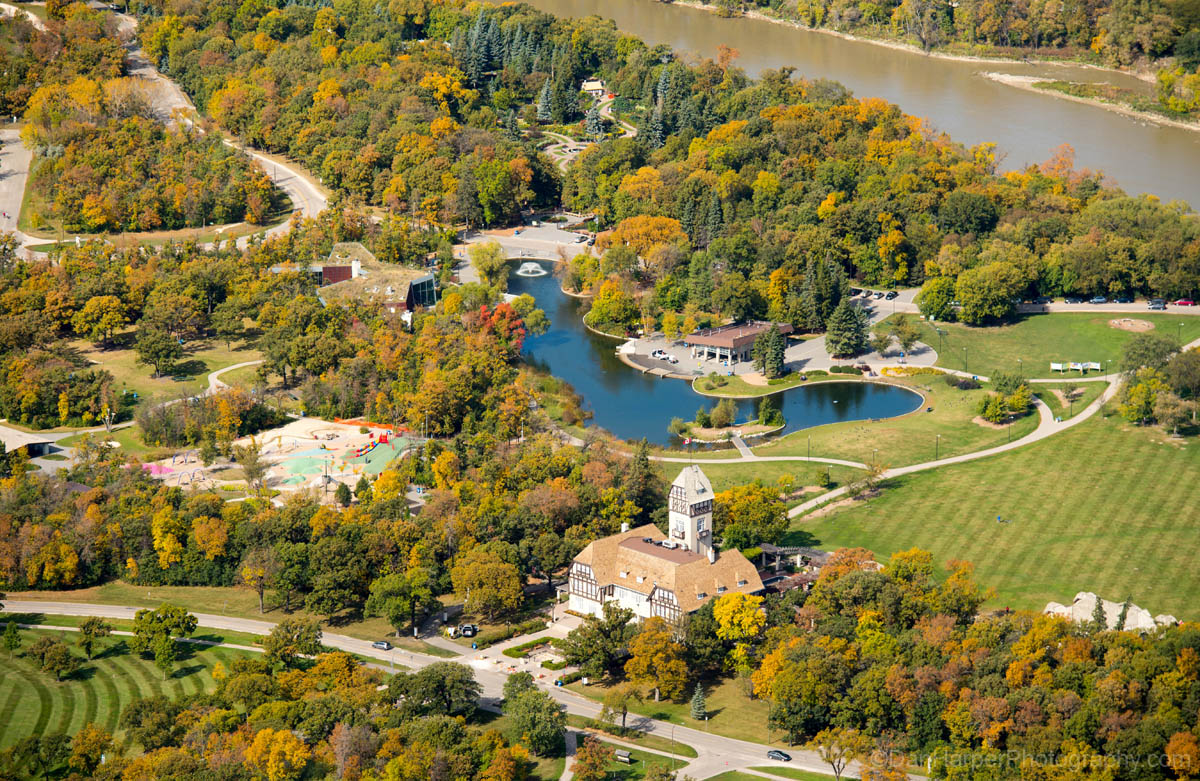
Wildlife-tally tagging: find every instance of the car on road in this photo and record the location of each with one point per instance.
(591, 240)
(891, 294)
(779, 756)
(1157, 303)
(1123, 300)
(658, 354)
(1072, 300)
(878, 294)
(1041, 300)
(381, 645)
(1184, 302)
(468, 630)
(580, 239)
(1098, 300)
(670, 359)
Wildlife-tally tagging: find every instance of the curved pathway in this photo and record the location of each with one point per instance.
(716, 753)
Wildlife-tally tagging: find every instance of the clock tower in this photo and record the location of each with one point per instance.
(691, 505)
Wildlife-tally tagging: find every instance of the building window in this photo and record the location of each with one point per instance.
(641, 578)
(702, 595)
(721, 589)
(624, 573)
(742, 582)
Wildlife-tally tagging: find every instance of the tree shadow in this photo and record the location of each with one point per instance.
(800, 538)
(119, 648)
(183, 672)
(186, 370)
(84, 673)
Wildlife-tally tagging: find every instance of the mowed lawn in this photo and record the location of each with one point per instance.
(1104, 507)
(908, 439)
(1038, 340)
(33, 703)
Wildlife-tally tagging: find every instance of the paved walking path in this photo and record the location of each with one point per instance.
(572, 744)
(742, 447)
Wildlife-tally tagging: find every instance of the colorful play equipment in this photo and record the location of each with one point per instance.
(359, 452)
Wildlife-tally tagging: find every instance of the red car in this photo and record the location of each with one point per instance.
(1184, 302)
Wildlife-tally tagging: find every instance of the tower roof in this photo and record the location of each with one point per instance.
(695, 484)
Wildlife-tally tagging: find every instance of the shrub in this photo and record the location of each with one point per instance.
(845, 370)
(550, 664)
(571, 677)
(488, 639)
(962, 383)
(522, 650)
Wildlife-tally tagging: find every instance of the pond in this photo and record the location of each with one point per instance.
(632, 405)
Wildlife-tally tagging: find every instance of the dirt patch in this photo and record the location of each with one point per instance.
(754, 378)
(1063, 398)
(979, 421)
(1131, 324)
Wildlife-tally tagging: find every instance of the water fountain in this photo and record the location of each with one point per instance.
(531, 269)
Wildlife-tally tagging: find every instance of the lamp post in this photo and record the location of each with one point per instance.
(965, 360)
(810, 448)
(1107, 369)
(1179, 331)
(1021, 367)
(937, 447)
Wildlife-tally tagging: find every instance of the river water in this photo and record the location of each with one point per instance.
(1139, 156)
(632, 405)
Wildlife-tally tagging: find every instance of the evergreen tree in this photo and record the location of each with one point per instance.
(641, 484)
(543, 104)
(699, 706)
(654, 134)
(593, 124)
(511, 128)
(1098, 617)
(714, 221)
(846, 331)
(1124, 614)
(768, 353)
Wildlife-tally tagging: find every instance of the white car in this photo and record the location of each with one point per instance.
(659, 354)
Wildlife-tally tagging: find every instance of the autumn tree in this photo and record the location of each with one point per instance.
(278, 754)
(257, 571)
(488, 585)
(592, 760)
(656, 659)
(99, 317)
(1183, 755)
(747, 515)
(88, 749)
(741, 620)
(491, 264)
(291, 639)
(838, 747)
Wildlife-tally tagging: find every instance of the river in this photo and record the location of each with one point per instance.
(632, 405)
(1138, 156)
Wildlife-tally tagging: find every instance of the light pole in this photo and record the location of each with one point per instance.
(965, 360)
(1107, 369)
(937, 447)
(1179, 331)
(1021, 367)
(810, 448)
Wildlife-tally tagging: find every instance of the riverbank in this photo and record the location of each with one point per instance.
(909, 48)
(1030, 84)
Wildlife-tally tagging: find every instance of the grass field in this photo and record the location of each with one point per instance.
(191, 376)
(641, 760)
(130, 440)
(225, 601)
(909, 439)
(731, 712)
(791, 772)
(644, 739)
(1105, 507)
(1039, 339)
(737, 387)
(33, 703)
(120, 625)
(1085, 394)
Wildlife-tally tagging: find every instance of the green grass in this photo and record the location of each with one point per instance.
(33, 703)
(803, 474)
(225, 601)
(737, 387)
(130, 440)
(545, 768)
(908, 439)
(641, 760)
(790, 772)
(191, 376)
(1085, 394)
(733, 775)
(635, 736)
(731, 712)
(1105, 507)
(1037, 340)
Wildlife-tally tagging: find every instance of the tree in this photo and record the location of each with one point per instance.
(99, 317)
(964, 212)
(1183, 374)
(488, 585)
(399, 596)
(278, 754)
(906, 333)
(988, 292)
(88, 748)
(291, 639)
(165, 653)
(617, 702)
(12, 637)
(441, 689)
(491, 263)
(596, 645)
(254, 468)
(1128, 603)
(227, 322)
(768, 352)
(846, 331)
(612, 306)
(746, 515)
(166, 620)
(1172, 412)
(152, 722)
(1140, 395)
(1183, 754)
(540, 722)
(258, 569)
(723, 415)
(90, 631)
(699, 704)
(59, 660)
(592, 760)
(880, 343)
(593, 124)
(657, 660)
(1146, 351)
(157, 348)
(740, 619)
(935, 298)
(342, 494)
(838, 747)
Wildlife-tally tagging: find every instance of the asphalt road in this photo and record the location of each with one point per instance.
(716, 753)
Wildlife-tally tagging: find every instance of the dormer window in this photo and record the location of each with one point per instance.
(624, 573)
(641, 578)
(721, 589)
(702, 595)
(742, 582)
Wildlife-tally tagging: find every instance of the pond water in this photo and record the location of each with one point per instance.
(632, 405)
(1140, 156)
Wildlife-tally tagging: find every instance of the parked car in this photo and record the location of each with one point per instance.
(878, 294)
(891, 294)
(1123, 300)
(468, 630)
(1184, 302)
(1098, 300)
(1043, 300)
(778, 755)
(670, 359)
(854, 291)
(591, 240)
(1157, 303)
(381, 645)
(658, 354)
(1072, 300)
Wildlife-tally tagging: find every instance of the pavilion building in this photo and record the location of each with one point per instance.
(731, 343)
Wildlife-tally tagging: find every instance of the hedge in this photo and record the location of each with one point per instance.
(488, 639)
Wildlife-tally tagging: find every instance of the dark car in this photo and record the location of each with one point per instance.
(1123, 300)
(1072, 300)
(1098, 300)
(382, 645)
(1041, 300)
(1157, 303)
(854, 291)
(778, 755)
(892, 294)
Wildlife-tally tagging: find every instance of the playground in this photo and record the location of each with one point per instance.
(305, 453)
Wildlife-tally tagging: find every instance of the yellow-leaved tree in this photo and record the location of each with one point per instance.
(278, 754)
